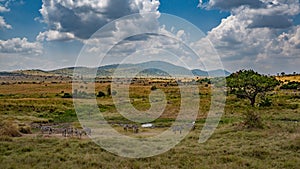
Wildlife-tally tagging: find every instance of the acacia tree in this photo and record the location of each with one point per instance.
(248, 83)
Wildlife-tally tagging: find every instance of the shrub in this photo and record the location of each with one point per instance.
(153, 88)
(100, 94)
(265, 102)
(8, 128)
(67, 95)
(291, 85)
(25, 129)
(205, 80)
(252, 120)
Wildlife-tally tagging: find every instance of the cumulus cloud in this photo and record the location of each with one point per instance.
(53, 35)
(3, 24)
(4, 9)
(21, 46)
(83, 18)
(230, 4)
(256, 36)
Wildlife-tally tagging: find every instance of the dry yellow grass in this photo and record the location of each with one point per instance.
(295, 78)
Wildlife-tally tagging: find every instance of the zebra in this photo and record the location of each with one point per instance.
(125, 127)
(64, 132)
(87, 130)
(178, 128)
(48, 129)
(67, 132)
(78, 132)
(135, 129)
(70, 131)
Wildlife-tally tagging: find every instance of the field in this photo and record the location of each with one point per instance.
(291, 78)
(24, 106)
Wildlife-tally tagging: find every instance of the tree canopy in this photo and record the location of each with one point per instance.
(248, 83)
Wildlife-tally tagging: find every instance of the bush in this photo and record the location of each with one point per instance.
(25, 129)
(8, 128)
(153, 88)
(205, 80)
(265, 102)
(67, 95)
(100, 94)
(291, 85)
(252, 120)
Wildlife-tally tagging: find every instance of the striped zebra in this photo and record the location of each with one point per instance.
(48, 129)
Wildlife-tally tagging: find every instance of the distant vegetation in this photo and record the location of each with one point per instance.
(291, 85)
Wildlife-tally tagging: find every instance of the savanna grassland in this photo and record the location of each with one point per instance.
(286, 78)
(24, 106)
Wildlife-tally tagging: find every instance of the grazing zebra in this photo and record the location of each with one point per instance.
(48, 129)
(88, 131)
(126, 126)
(64, 132)
(67, 132)
(70, 131)
(178, 128)
(78, 132)
(135, 129)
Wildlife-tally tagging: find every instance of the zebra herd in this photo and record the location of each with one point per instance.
(67, 131)
(70, 131)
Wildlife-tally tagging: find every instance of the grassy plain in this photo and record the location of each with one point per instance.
(276, 145)
(291, 78)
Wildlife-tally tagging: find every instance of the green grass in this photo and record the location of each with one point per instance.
(227, 148)
(276, 145)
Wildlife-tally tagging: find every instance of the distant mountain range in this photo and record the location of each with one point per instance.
(146, 69)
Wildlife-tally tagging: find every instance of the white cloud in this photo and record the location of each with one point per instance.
(230, 4)
(20, 46)
(285, 46)
(257, 36)
(3, 24)
(82, 18)
(4, 9)
(53, 35)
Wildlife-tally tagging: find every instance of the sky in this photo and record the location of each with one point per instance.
(263, 35)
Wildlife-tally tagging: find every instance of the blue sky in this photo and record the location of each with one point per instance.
(247, 34)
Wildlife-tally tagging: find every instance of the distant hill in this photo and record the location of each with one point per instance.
(152, 68)
(198, 72)
(218, 73)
